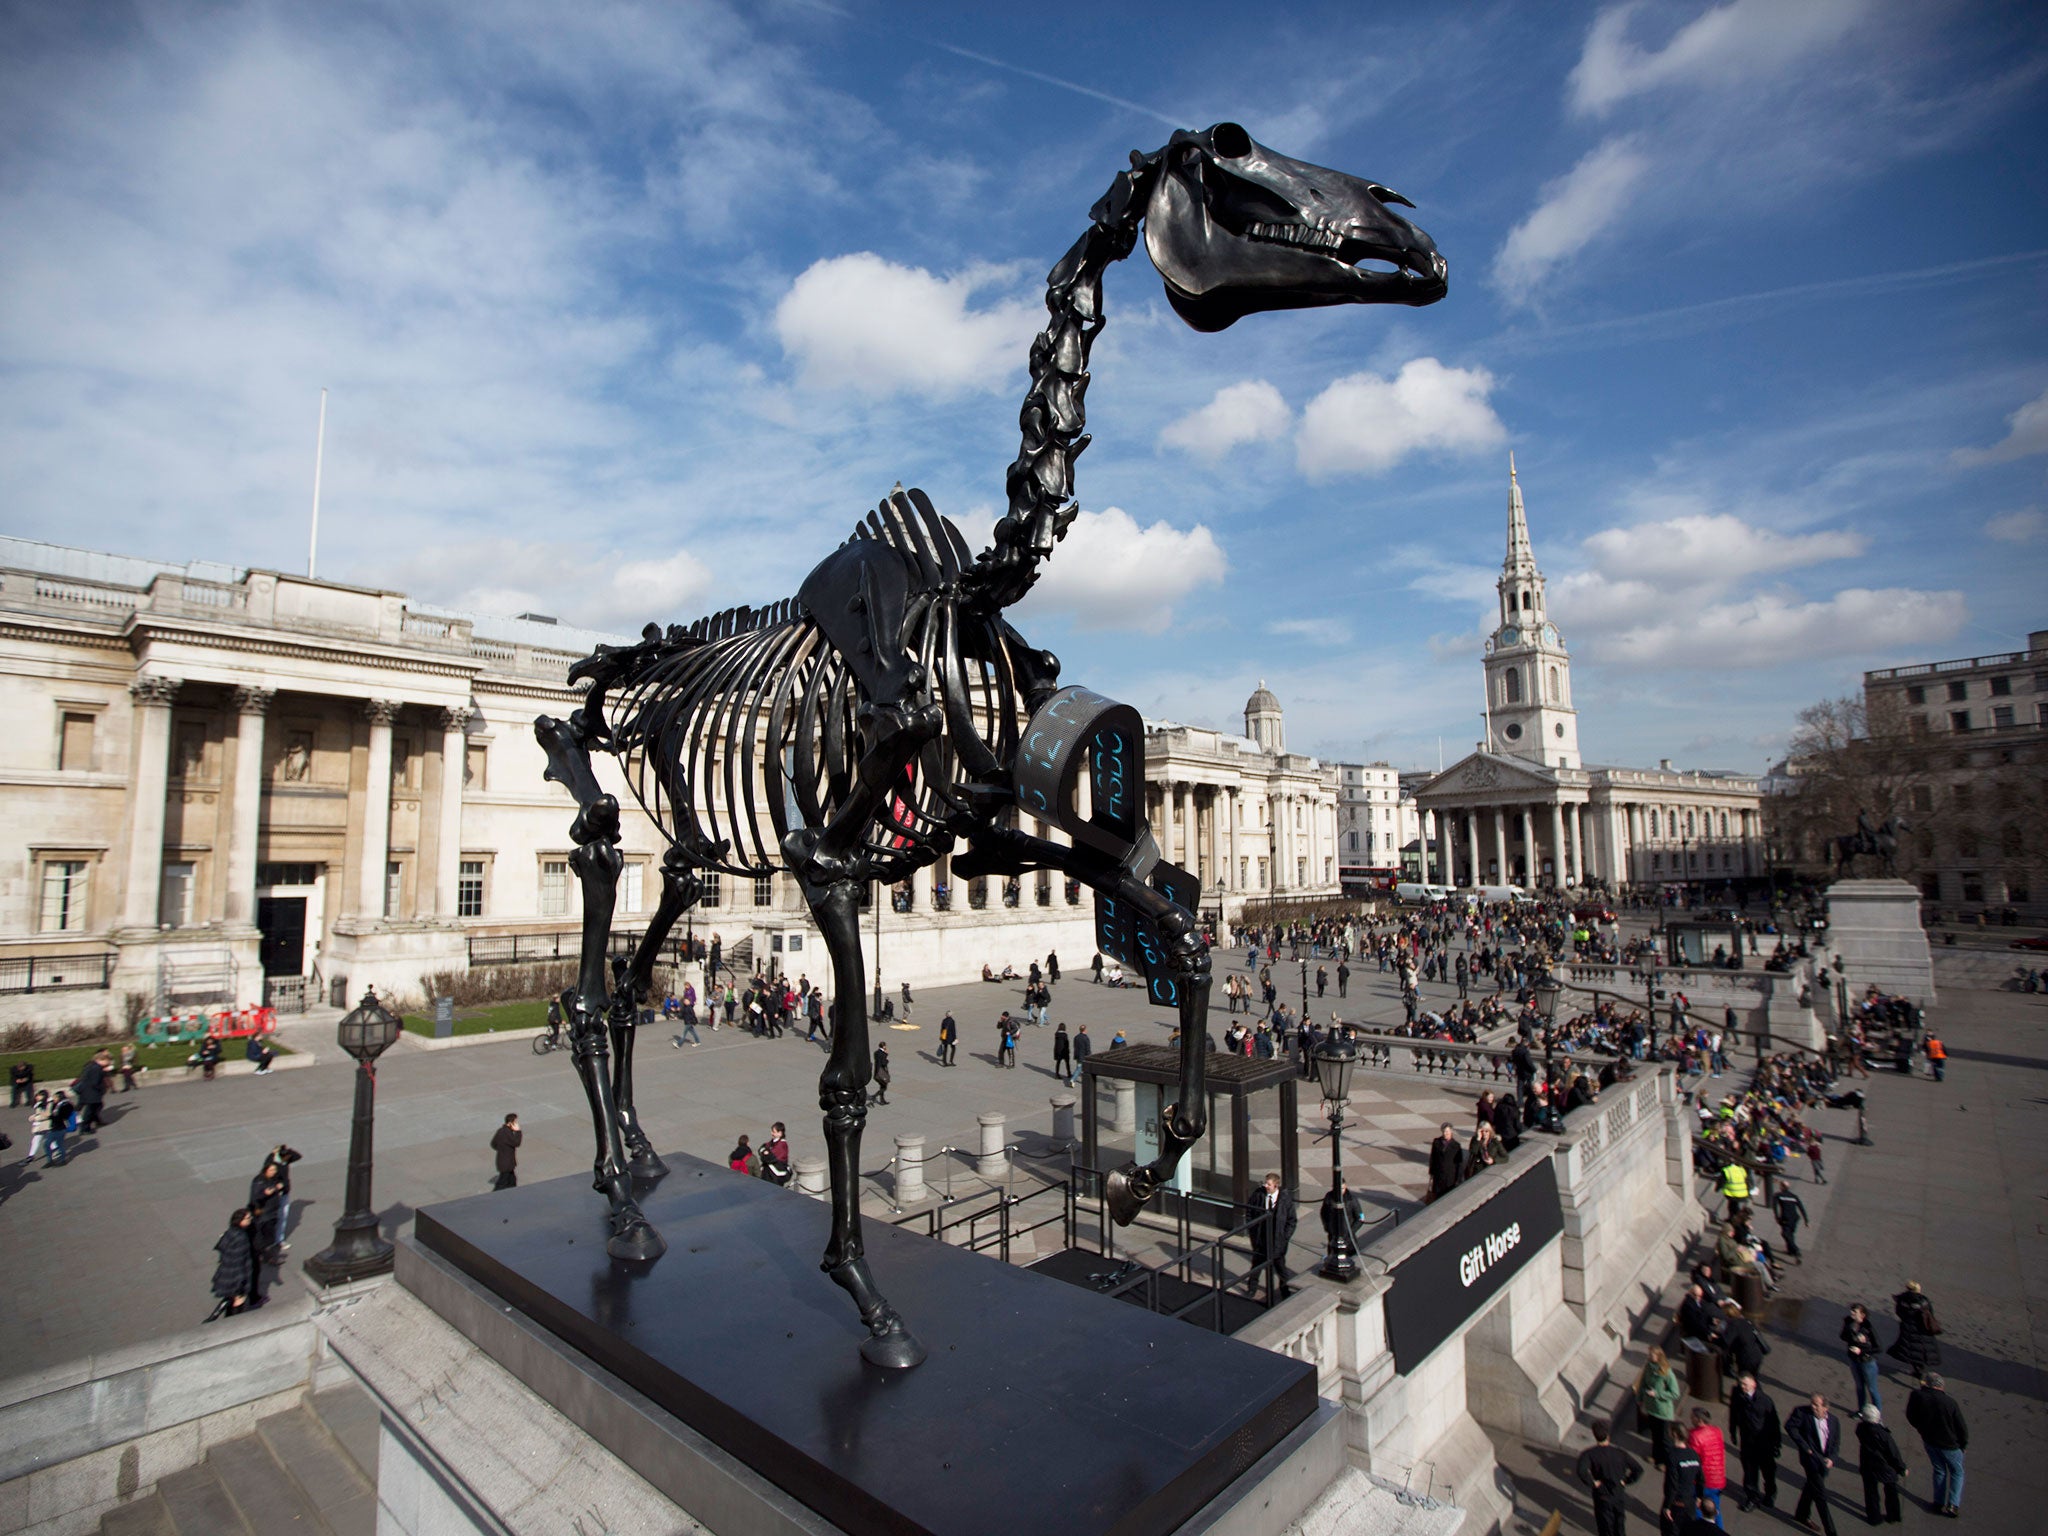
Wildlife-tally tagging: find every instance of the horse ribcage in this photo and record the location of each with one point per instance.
(744, 739)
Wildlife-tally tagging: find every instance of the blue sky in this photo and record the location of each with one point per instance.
(628, 311)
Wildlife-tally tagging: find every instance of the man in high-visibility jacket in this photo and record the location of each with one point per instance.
(1735, 1187)
(1937, 1056)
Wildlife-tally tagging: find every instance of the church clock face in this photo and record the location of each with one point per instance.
(1550, 634)
(1510, 635)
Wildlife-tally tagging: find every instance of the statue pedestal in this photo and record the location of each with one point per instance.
(1874, 926)
(727, 1375)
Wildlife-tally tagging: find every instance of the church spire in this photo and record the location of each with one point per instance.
(1521, 558)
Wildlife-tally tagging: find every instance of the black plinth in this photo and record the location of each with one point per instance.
(1041, 1408)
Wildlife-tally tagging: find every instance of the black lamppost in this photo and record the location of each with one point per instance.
(1547, 993)
(359, 1250)
(1335, 1057)
(881, 894)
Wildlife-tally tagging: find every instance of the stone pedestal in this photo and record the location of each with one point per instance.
(811, 1176)
(1874, 926)
(1123, 1114)
(909, 1169)
(1063, 1117)
(989, 1161)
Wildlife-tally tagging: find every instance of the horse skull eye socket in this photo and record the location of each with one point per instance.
(1230, 141)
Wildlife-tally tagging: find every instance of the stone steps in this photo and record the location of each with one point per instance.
(310, 1470)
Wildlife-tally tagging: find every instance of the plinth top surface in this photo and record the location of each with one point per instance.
(1042, 1407)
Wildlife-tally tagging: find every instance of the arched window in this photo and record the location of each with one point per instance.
(1724, 823)
(1551, 679)
(1511, 684)
(1653, 823)
(1688, 824)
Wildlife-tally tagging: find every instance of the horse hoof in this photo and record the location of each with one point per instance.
(1126, 1190)
(647, 1167)
(894, 1349)
(638, 1244)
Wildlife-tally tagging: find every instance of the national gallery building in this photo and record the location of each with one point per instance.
(226, 783)
(1523, 809)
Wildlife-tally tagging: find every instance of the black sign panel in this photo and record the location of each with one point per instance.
(1077, 727)
(1452, 1278)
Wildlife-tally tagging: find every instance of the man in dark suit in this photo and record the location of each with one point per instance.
(1697, 1318)
(1757, 1436)
(1272, 1229)
(1816, 1435)
(1743, 1346)
(1607, 1470)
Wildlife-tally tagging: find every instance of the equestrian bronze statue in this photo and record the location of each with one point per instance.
(1871, 839)
(888, 713)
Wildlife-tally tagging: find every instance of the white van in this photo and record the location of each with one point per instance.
(1410, 890)
(1504, 893)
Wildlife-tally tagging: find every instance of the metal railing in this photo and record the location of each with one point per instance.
(561, 944)
(56, 973)
(285, 994)
(996, 1224)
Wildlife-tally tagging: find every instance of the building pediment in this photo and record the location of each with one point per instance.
(1486, 773)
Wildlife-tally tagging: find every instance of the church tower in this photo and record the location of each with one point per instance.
(1528, 673)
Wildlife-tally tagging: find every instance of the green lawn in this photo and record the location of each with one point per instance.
(63, 1063)
(486, 1020)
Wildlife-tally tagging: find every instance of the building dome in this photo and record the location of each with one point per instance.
(1262, 719)
(1262, 701)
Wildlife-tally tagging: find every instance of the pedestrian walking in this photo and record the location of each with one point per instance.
(949, 1040)
(266, 1199)
(1916, 1347)
(1707, 1444)
(1062, 1055)
(1859, 1339)
(63, 1117)
(1816, 1434)
(1658, 1391)
(1937, 1056)
(906, 1002)
(1097, 968)
(1052, 967)
(90, 1087)
(1006, 1036)
(1343, 979)
(234, 1272)
(1944, 1435)
(38, 1124)
(1446, 1162)
(1757, 1436)
(1272, 1229)
(1083, 1046)
(131, 1063)
(505, 1142)
(1790, 1211)
(1606, 1471)
(1878, 1458)
(21, 1084)
(881, 1094)
(1680, 1499)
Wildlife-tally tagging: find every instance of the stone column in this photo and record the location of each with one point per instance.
(1500, 843)
(909, 1169)
(448, 852)
(251, 704)
(1443, 848)
(376, 808)
(989, 1160)
(1063, 1116)
(1472, 844)
(1532, 875)
(1634, 813)
(1574, 844)
(1230, 830)
(152, 696)
(1557, 843)
(921, 887)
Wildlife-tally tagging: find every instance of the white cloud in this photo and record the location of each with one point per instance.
(861, 323)
(1250, 412)
(2021, 527)
(1575, 208)
(1735, 42)
(1365, 424)
(1771, 630)
(1719, 548)
(1109, 573)
(2026, 434)
(610, 591)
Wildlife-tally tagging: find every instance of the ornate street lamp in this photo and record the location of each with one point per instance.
(359, 1250)
(1335, 1058)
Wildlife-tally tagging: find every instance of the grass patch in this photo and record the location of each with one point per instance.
(62, 1063)
(532, 1014)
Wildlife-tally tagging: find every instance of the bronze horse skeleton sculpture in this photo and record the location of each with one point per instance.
(860, 730)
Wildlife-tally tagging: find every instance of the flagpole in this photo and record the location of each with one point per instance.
(319, 452)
